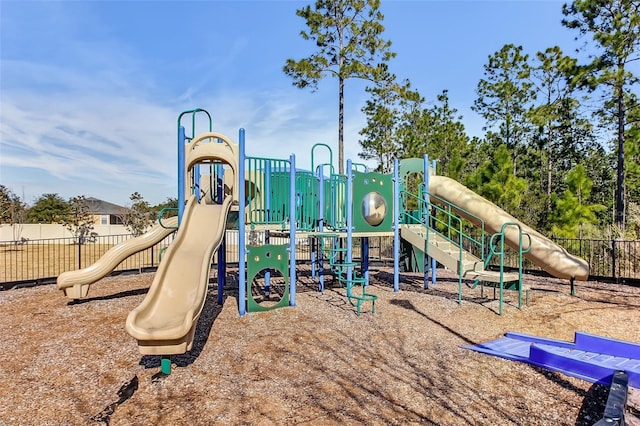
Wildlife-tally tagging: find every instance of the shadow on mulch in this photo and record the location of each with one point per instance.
(209, 314)
(118, 295)
(416, 284)
(125, 392)
(593, 405)
(410, 306)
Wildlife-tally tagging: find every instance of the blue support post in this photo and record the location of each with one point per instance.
(314, 259)
(425, 219)
(349, 220)
(196, 181)
(242, 275)
(321, 228)
(433, 261)
(396, 226)
(364, 250)
(267, 191)
(292, 232)
(222, 250)
(181, 172)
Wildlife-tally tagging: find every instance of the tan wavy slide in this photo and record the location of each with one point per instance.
(165, 321)
(545, 253)
(75, 284)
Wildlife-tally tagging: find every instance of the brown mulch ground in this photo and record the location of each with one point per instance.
(317, 363)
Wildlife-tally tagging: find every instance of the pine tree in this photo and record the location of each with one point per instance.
(615, 28)
(348, 35)
(574, 217)
(495, 181)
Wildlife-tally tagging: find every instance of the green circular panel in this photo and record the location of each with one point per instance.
(374, 208)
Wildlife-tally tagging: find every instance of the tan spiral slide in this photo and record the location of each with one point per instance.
(75, 284)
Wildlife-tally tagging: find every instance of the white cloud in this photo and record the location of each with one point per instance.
(110, 140)
(86, 137)
(89, 116)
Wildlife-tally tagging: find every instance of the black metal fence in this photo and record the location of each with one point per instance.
(43, 260)
(609, 260)
(33, 261)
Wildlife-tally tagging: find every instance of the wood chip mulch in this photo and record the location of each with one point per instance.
(317, 363)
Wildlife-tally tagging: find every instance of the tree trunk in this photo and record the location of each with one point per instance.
(549, 169)
(620, 171)
(341, 126)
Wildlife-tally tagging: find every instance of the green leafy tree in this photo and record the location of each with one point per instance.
(574, 217)
(398, 125)
(79, 220)
(6, 201)
(495, 181)
(140, 215)
(562, 135)
(601, 171)
(632, 152)
(505, 94)
(13, 211)
(385, 112)
(170, 203)
(448, 141)
(551, 82)
(12, 208)
(438, 132)
(348, 36)
(48, 208)
(614, 26)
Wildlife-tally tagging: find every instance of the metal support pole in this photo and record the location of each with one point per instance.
(349, 220)
(222, 250)
(181, 171)
(292, 232)
(433, 261)
(364, 250)
(267, 191)
(396, 226)
(426, 264)
(320, 240)
(242, 275)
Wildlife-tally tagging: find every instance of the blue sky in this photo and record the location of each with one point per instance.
(90, 90)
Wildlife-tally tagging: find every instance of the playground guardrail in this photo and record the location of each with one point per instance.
(26, 262)
(444, 220)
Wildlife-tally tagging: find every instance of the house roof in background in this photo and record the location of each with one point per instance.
(97, 206)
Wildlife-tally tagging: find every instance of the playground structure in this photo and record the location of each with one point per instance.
(433, 220)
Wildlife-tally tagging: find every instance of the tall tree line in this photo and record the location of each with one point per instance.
(562, 143)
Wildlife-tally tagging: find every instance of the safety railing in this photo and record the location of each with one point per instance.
(268, 191)
(306, 201)
(335, 195)
(443, 218)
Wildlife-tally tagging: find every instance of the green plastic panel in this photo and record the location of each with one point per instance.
(372, 193)
(307, 187)
(335, 200)
(267, 257)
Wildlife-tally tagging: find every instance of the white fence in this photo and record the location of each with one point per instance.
(37, 231)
